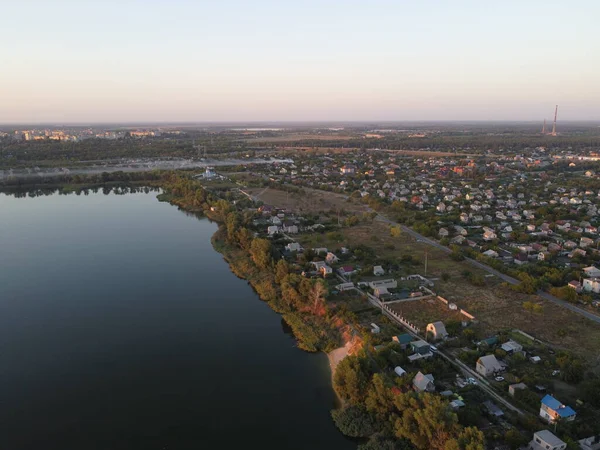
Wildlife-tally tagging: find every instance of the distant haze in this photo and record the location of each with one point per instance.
(192, 61)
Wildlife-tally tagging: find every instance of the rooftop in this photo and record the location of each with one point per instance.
(549, 438)
(555, 405)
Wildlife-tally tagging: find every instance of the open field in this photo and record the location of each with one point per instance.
(300, 137)
(312, 201)
(495, 306)
(424, 311)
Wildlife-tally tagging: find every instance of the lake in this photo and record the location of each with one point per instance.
(122, 328)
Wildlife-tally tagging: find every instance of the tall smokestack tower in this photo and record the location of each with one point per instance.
(544, 127)
(554, 124)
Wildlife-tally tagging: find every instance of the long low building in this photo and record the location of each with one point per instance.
(388, 284)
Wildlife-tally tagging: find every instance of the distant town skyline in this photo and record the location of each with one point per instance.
(271, 61)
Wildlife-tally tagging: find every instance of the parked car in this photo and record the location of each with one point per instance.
(499, 379)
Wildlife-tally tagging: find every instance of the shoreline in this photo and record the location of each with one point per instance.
(334, 357)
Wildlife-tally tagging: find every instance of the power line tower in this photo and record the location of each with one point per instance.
(199, 149)
(554, 124)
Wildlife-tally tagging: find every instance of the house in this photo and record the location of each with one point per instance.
(326, 270)
(378, 271)
(513, 388)
(492, 409)
(458, 240)
(290, 229)
(591, 272)
(293, 247)
(552, 410)
(490, 253)
(388, 284)
(591, 443)
(591, 285)
(543, 256)
(456, 404)
(344, 286)
(403, 339)
(546, 440)
(578, 252)
(460, 230)
(488, 365)
(346, 270)
(266, 210)
(521, 259)
(348, 169)
(421, 350)
(318, 265)
(381, 292)
(437, 330)
(488, 234)
(488, 342)
(423, 383)
(331, 258)
(443, 232)
(511, 347)
(585, 242)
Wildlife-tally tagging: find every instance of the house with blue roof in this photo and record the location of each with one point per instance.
(552, 410)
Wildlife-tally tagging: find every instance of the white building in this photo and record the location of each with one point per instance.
(591, 285)
(378, 271)
(545, 440)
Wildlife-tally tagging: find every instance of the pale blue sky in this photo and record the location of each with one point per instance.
(227, 60)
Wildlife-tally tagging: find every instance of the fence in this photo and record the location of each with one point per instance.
(402, 320)
(462, 311)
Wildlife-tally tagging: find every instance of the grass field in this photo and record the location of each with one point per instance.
(313, 201)
(424, 311)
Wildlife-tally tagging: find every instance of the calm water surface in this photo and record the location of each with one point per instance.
(121, 328)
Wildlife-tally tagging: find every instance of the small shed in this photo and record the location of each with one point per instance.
(400, 371)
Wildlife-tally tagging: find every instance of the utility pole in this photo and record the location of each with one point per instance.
(426, 257)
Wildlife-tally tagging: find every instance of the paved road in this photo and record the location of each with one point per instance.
(502, 276)
(483, 383)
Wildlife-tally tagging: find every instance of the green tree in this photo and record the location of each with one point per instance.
(351, 379)
(260, 252)
(380, 400)
(425, 420)
(395, 231)
(515, 439)
(469, 438)
(354, 421)
(281, 270)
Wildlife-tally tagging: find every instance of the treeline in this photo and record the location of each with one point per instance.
(16, 153)
(509, 142)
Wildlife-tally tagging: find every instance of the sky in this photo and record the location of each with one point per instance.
(84, 61)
